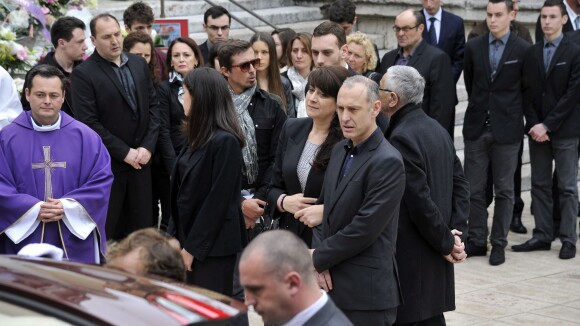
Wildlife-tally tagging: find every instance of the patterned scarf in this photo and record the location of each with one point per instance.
(175, 76)
(250, 151)
(299, 85)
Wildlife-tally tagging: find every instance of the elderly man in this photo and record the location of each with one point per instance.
(432, 63)
(435, 204)
(276, 273)
(362, 190)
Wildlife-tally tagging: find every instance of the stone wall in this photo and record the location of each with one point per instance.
(378, 16)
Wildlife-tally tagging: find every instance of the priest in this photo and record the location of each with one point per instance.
(55, 176)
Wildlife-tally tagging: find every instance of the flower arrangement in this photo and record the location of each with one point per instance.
(14, 57)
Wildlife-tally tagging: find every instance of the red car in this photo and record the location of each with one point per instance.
(48, 292)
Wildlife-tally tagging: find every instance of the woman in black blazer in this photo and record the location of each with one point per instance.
(206, 183)
(303, 153)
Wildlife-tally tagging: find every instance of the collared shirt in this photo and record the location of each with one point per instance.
(571, 15)
(550, 49)
(352, 152)
(496, 48)
(302, 317)
(436, 23)
(401, 60)
(127, 81)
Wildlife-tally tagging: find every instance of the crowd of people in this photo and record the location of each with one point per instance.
(180, 160)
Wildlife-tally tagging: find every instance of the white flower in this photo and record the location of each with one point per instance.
(18, 18)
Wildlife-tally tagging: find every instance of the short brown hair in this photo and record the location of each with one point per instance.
(230, 48)
(333, 28)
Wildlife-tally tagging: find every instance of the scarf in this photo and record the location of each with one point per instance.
(176, 77)
(299, 85)
(250, 151)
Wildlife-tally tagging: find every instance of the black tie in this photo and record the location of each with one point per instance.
(432, 33)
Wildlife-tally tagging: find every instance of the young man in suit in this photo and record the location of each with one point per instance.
(432, 63)
(216, 24)
(363, 186)
(276, 273)
(435, 205)
(445, 31)
(493, 127)
(328, 40)
(572, 24)
(139, 17)
(553, 126)
(114, 95)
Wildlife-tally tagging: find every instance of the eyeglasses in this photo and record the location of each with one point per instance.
(245, 66)
(405, 29)
(224, 28)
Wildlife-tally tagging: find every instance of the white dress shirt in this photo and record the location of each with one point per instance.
(437, 22)
(302, 317)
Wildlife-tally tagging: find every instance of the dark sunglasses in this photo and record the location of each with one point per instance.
(245, 66)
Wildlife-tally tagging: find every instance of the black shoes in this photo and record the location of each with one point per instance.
(568, 251)
(532, 245)
(497, 256)
(472, 250)
(516, 225)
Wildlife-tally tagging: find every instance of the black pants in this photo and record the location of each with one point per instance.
(438, 320)
(371, 317)
(213, 273)
(129, 203)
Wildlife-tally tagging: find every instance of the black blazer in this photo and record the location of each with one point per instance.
(204, 49)
(205, 198)
(285, 178)
(359, 227)
(328, 315)
(502, 97)
(435, 66)
(552, 97)
(436, 201)
(451, 40)
(100, 102)
(172, 111)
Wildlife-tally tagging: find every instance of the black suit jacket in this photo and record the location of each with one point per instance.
(359, 227)
(100, 102)
(552, 97)
(568, 27)
(436, 201)
(328, 315)
(451, 40)
(435, 66)
(172, 111)
(204, 49)
(502, 96)
(205, 198)
(285, 177)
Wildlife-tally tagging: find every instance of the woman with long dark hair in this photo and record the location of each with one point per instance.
(206, 183)
(303, 154)
(268, 72)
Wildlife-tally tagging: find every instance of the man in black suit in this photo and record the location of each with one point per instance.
(276, 273)
(363, 186)
(114, 95)
(553, 125)
(572, 24)
(448, 33)
(435, 204)
(493, 127)
(432, 63)
(216, 23)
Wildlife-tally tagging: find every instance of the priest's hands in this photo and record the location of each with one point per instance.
(137, 157)
(51, 211)
(310, 216)
(187, 259)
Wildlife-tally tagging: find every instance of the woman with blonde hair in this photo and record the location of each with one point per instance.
(361, 56)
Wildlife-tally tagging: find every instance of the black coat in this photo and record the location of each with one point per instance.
(359, 227)
(436, 201)
(172, 111)
(100, 102)
(552, 97)
(285, 177)
(205, 198)
(502, 97)
(204, 49)
(435, 66)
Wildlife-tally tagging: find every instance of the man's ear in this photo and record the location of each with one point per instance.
(27, 93)
(225, 71)
(344, 51)
(93, 40)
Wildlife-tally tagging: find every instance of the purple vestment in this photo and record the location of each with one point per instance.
(87, 179)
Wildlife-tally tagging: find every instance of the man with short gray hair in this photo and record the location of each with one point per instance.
(276, 273)
(435, 204)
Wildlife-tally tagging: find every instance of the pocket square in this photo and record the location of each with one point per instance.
(561, 63)
(510, 62)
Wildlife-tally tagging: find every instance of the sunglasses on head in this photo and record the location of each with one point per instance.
(245, 66)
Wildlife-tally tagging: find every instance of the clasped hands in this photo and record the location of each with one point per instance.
(458, 253)
(303, 209)
(51, 211)
(138, 157)
(539, 133)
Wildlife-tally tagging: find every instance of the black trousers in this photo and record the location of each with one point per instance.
(371, 317)
(129, 203)
(213, 273)
(438, 320)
